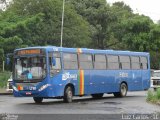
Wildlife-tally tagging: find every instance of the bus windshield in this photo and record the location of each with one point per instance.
(28, 68)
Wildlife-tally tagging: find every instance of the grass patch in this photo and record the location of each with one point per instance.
(3, 78)
(154, 96)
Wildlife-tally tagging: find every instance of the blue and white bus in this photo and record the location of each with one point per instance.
(56, 72)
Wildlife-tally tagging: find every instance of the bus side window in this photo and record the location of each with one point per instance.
(135, 63)
(144, 63)
(100, 62)
(54, 68)
(125, 62)
(112, 62)
(70, 61)
(85, 61)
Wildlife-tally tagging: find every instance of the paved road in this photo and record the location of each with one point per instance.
(134, 103)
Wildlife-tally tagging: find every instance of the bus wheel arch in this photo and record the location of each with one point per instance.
(123, 88)
(69, 92)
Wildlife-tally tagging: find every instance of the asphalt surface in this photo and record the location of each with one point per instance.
(81, 108)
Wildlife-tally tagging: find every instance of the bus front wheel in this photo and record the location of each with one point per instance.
(123, 91)
(68, 95)
(37, 99)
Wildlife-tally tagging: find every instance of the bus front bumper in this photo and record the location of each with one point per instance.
(45, 91)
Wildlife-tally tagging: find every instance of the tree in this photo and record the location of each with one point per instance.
(27, 23)
(100, 18)
(87, 23)
(122, 6)
(137, 31)
(158, 21)
(42, 25)
(154, 45)
(37, 25)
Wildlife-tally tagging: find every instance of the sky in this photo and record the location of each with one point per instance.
(149, 8)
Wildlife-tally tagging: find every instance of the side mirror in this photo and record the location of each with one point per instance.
(53, 62)
(7, 60)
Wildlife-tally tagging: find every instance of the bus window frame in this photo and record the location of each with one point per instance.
(120, 62)
(135, 62)
(70, 61)
(51, 55)
(94, 61)
(141, 63)
(112, 62)
(86, 61)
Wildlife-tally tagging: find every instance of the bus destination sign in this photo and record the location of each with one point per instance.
(31, 51)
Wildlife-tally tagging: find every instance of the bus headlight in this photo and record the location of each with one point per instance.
(44, 87)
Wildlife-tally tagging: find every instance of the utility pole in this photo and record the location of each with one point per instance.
(62, 24)
(3, 66)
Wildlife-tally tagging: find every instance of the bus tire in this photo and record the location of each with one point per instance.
(97, 96)
(38, 99)
(123, 91)
(68, 95)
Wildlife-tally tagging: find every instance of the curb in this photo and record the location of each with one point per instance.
(6, 93)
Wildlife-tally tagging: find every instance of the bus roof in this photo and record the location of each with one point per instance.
(85, 50)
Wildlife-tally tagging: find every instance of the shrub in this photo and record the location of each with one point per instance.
(3, 78)
(150, 95)
(153, 97)
(158, 93)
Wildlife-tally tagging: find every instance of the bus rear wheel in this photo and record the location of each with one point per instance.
(37, 99)
(123, 91)
(97, 96)
(68, 95)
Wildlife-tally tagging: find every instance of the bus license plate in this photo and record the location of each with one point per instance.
(29, 88)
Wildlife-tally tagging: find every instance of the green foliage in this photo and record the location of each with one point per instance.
(100, 17)
(1, 58)
(153, 97)
(4, 76)
(155, 57)
(150, 96)
(158, 93)
(121, 6)
(27, 23)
